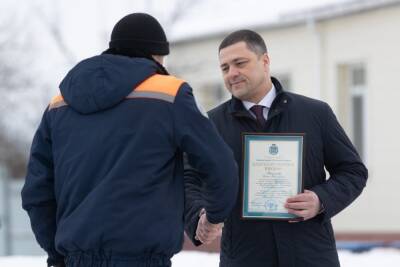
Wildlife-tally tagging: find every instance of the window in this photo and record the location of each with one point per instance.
(357, 96)
(352, 94)
(211, 95)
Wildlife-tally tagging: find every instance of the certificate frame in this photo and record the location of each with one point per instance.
(263, 206)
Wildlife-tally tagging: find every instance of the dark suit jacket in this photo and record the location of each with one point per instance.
(278, 243)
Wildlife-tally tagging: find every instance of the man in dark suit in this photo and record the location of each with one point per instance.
(260, 104)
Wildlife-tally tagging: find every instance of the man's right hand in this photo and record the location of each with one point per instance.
(207, 232)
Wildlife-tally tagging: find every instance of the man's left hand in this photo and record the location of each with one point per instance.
(305, 205)
(207, 232)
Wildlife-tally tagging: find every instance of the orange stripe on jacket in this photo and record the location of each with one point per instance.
(160, 84)
(57, 101)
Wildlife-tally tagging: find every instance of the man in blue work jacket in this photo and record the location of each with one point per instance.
(105, 177)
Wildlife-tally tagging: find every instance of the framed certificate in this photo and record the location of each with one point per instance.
(272, 172)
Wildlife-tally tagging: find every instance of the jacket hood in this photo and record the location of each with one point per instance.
(102, 81)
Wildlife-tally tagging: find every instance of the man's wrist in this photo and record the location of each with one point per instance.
(202, 211)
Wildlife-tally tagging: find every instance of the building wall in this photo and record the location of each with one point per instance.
(317, 56)
(371, 39)
(198, 64)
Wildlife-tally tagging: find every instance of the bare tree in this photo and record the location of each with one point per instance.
(178, 9)
(13, 80)
(23, 91)
(52, 20)
(52, 23)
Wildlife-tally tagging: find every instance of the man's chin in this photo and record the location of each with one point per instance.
(238, 94)
(237, 88)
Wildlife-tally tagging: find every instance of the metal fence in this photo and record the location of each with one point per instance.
(16, 237)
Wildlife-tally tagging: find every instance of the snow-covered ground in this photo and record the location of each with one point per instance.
(373, 258)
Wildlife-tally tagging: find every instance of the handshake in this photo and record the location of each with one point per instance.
(207, 232)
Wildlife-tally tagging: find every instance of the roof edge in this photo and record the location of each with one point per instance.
(297, 18)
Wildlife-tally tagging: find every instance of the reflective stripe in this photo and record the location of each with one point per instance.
(56, 102)
(153, 95)
(57, 98)
(162, 87)
(168, 85)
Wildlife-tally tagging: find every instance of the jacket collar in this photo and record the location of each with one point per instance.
(236, 107)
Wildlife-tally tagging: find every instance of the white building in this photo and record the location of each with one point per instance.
(347, 55)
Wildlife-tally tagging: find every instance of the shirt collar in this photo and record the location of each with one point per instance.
(266, 101)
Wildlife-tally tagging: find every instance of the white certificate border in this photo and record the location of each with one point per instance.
(247, 138)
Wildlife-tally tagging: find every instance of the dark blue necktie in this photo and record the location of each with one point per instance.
(258, 111)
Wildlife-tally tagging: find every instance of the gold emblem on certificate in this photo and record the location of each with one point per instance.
(272, 172)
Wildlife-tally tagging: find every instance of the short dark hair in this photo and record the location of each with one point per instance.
(252, 39)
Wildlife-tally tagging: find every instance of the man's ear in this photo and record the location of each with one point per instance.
(265, 59)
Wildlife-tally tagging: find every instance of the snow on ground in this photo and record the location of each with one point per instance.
(373, 258)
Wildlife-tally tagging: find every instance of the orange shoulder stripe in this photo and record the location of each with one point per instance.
(160, 84)
(57, 101)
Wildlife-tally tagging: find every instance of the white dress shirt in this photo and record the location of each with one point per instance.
(266, 102)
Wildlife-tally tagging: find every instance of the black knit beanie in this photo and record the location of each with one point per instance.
(139, 34)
